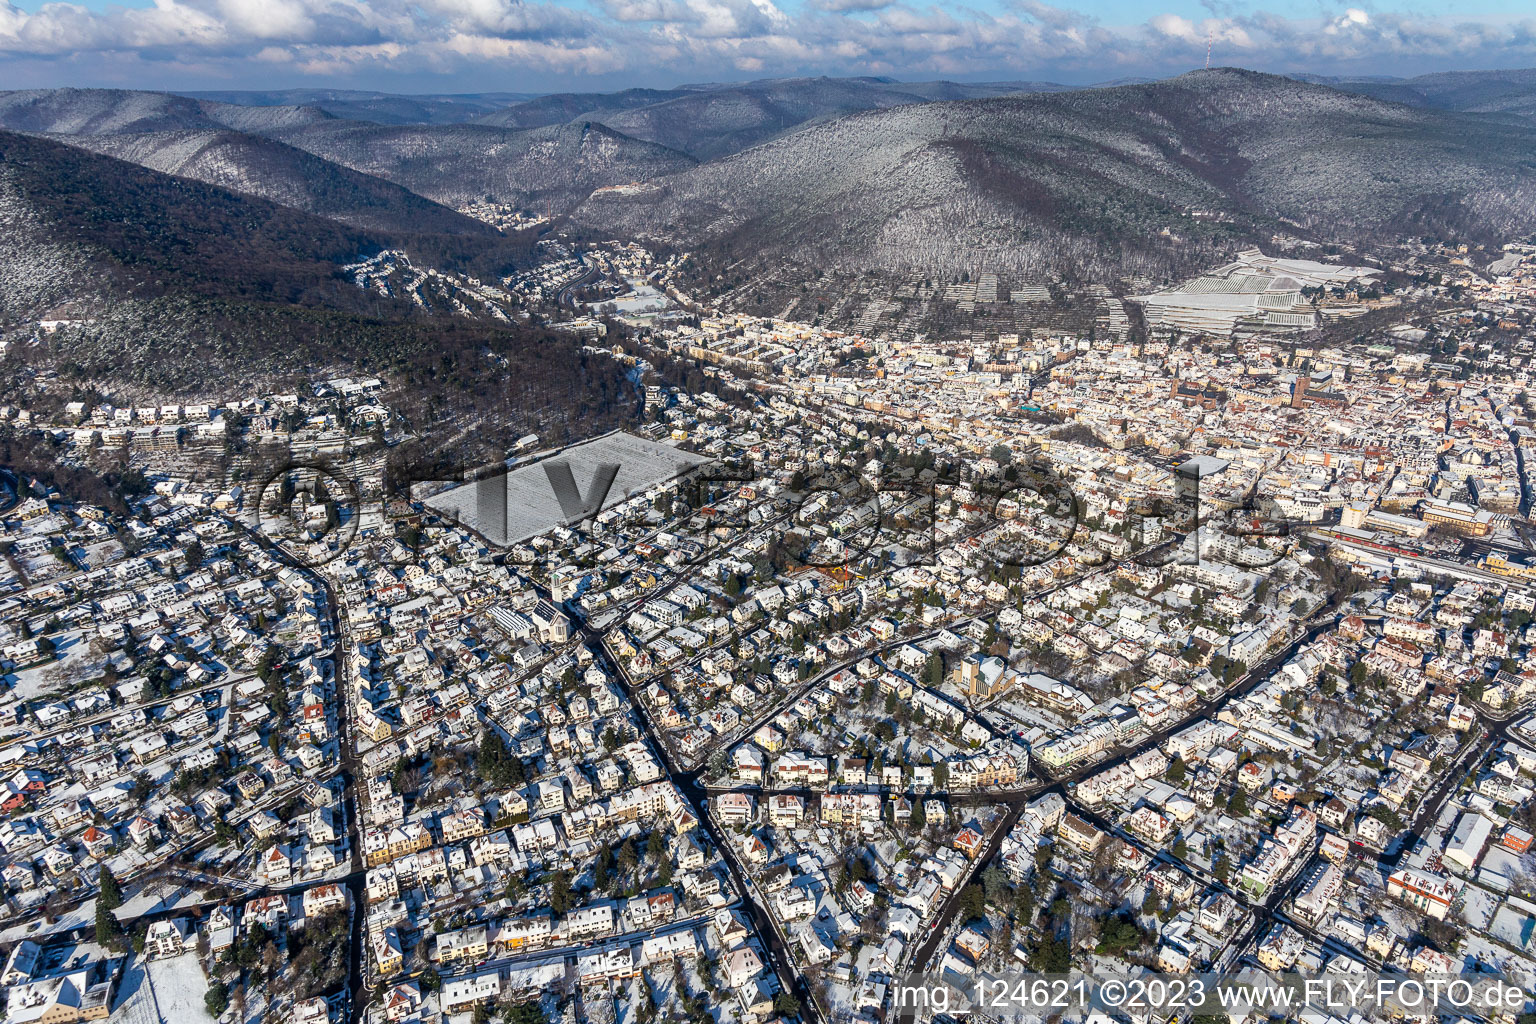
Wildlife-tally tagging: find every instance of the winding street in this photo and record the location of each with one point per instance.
(347, 749)
(779, 957)
(1012, 803)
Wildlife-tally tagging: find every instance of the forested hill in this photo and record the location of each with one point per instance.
(1137, 179)
(181, 287)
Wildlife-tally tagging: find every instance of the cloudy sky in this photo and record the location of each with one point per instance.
(538, 46)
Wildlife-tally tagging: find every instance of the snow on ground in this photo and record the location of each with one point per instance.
(1478, 907)
(163, 992)
(80, 917)
(1499, 866)
(1477, 949)
(46, 678)
(1513, 926)
(161, 896)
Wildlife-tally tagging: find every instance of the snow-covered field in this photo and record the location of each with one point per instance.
(163, 992)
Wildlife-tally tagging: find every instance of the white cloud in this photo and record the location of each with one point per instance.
(538, 39)
(1350, 20)
(1172, 26)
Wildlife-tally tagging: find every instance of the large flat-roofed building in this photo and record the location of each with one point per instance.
(1257, 291)
(1360, 516)
(513, 507)
(1468, 840)
(1455, 517)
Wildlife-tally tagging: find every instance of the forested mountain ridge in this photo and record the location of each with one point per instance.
(173, 286)
(218, 144)
(551, 167)
(1104, 182)
(1142, 180)
(390, 177)
(710, 121)
(1510, 93)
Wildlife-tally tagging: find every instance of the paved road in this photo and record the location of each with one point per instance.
(1013, 801)
(1016, 800)
(1270, 908)
(347, 746)
(565, 296)
(1493, 732)
(688, 782)
(939, 930)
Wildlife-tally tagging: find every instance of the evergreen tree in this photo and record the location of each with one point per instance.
(111, 893)
(1177, 771)
(560, 892)
(1024, 904)
(600, 875)
(105, 926)
(496, 761)
(216, 999)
